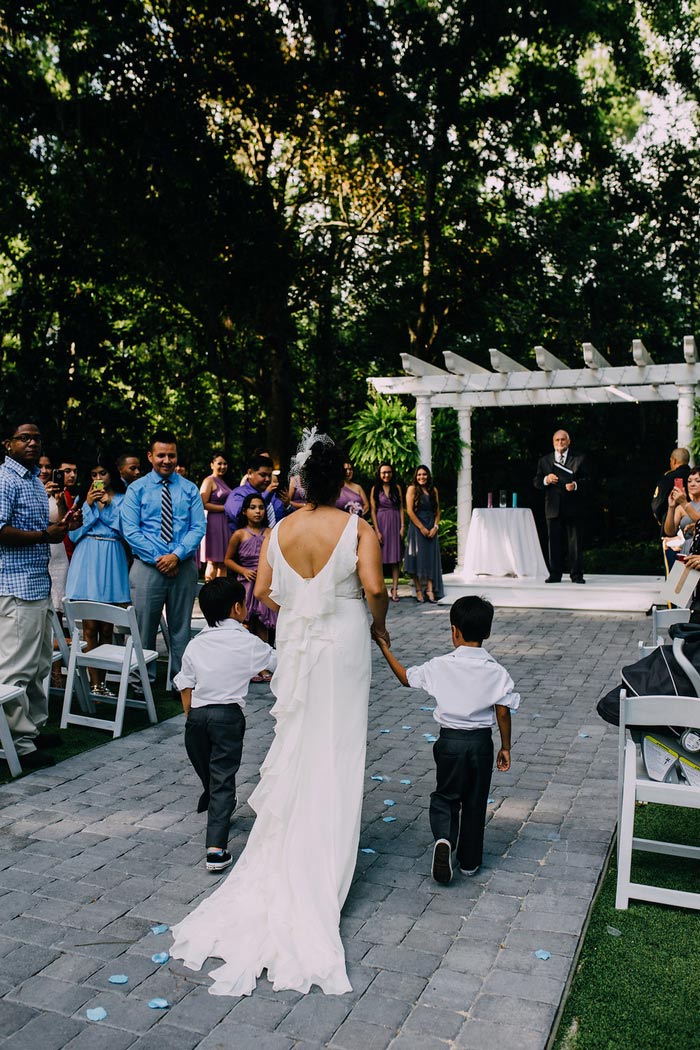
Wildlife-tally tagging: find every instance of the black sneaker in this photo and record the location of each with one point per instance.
(219, 860)
(36, 760)
(442, 861)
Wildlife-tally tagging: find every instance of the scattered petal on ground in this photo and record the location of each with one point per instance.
(368, 850)
(389, 802)
(98, 1013)
(118, 978)
(613, 931)
(160, 957)
(490, 799)
(378, 777)
(407, 727)
(584, 735)
(384, 730)
(159, 1004)
(404, 781)
(389, 820)
(162, 928)
(543, 954)
(427, 708)
(430, 738)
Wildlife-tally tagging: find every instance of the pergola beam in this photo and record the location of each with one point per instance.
(570, 396)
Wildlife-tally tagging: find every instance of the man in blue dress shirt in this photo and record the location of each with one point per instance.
(163, 523)
(25, 592)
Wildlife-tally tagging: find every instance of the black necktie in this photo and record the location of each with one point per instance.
(166, 514)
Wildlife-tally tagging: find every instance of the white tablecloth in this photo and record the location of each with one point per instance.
(503, 542)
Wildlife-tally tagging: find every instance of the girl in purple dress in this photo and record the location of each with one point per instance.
(214, 492)
(386, 501)
(242, 557)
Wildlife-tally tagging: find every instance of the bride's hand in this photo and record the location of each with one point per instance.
(380, 635)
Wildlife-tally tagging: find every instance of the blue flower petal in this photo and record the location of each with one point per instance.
(368, 850)
(389, 802)
(543, 954)
(407, 727)
(404, 781)
(584, 735)
(98, 1013)
(162, 928)
(118, 978)
(159, 1004)
(388, 820)
(427, 708)
(378, 777)
(384, 730)
(160, 957)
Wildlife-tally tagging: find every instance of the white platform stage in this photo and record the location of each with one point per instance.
(600, 593)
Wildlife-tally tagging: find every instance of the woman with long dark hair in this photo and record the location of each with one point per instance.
(386, 502)
(99, 571)
(422, 560)
(280, 907)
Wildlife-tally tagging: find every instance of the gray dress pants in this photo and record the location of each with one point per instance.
(151, 592)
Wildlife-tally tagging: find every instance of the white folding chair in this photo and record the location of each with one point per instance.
(7, 751)
(123, 660)
(62, 655)
(662, 619)
(635, 785)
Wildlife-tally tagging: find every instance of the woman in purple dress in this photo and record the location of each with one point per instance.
(386, 501)
(242, 557)
(352, 497)
(214, 492)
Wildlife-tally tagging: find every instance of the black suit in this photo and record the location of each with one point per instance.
(659, 502)
(564, 510)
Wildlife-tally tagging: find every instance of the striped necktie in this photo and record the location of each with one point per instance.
(166, 514)
(270, 511)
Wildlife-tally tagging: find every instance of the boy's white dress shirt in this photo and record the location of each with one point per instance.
(219, 662)
(466, 683)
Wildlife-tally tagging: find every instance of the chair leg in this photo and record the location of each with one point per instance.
(8, 745)
(146, 686)
(625, 830)
(70, 681)
(121, 702)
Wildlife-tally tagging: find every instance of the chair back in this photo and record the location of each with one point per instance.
(102, 611)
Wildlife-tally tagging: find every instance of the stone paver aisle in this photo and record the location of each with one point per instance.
(98, 849)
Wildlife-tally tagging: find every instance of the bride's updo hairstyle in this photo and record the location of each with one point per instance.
(323, 473)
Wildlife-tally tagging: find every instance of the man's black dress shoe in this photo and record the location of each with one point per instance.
(579, 579)
(553, 579)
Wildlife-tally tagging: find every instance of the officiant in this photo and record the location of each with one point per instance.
(564, 477)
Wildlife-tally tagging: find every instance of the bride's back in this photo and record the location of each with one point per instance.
(308, 538)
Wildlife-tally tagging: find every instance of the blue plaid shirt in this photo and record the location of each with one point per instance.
(24, 571)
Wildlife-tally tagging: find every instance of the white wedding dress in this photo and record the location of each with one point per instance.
(279, 909)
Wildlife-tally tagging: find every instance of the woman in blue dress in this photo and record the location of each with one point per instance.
(99, 571)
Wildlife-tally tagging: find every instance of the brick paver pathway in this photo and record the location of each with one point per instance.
(98, 849)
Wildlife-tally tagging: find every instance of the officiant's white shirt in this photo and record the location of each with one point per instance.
(467, 684)
(219, 662)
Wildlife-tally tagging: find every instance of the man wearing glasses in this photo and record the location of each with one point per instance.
(25, 592)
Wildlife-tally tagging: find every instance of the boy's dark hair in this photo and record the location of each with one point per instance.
(218, 597)
(255, 462)
(162, 437)
(472, 616)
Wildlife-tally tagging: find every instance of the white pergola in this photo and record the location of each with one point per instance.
(464, 386)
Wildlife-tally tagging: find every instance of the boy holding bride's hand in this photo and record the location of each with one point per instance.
(468, 686)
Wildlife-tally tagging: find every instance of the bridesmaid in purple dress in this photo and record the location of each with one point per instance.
(242, 557)
(386, 501)
(352, 497)
(214, 492)
(296, 493)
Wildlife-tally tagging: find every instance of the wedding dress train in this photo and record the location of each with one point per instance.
(279, 909)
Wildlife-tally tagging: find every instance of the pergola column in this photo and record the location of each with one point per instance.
(686, 411)
(464, 483)
(424, 435)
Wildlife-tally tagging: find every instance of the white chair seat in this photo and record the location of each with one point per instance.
(125, 660)
(8, 751)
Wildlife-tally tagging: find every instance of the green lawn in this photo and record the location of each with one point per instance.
(640, 991)
(79, 738)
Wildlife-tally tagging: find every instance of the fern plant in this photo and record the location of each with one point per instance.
(385, 429)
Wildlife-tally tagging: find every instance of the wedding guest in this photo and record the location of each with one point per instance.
(422, 559)
(214, 492)
(469, 686)
(163, 523)
(68, 464)
(99, 571)
(352, 497)
(58, 558)
(682, 513)
(129, 466)
(243, 556)
(25, 592)
(260, 480)
(386, 501)
(296, 493)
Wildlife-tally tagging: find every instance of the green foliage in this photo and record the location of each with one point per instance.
(385, 429)
(630, 991)
(447, 534)
(644, 558)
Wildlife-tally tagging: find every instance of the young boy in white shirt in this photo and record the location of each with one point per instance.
(217, 666)
(468, 686)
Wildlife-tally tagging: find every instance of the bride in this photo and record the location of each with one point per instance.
(279, 909)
